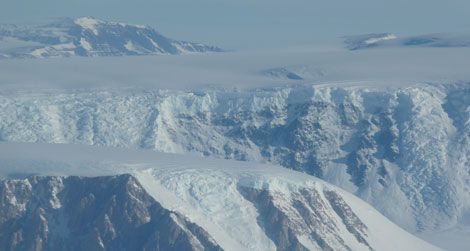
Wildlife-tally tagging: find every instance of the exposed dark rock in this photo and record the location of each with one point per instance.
(103, 213)
(305, 214)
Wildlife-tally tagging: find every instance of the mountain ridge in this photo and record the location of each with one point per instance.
(100, 213)
(382, 144)
(90, 37)
(235, 205)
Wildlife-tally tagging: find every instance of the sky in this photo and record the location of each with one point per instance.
(251, 24)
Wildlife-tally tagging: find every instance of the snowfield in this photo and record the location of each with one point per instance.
(389, 125)
(242, 70)
(226, 198)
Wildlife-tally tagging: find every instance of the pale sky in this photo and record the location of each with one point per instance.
(251, 24)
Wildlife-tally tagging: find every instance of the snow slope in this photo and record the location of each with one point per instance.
(404, 149)
(382, 124)
(89, 37)
(233, 201)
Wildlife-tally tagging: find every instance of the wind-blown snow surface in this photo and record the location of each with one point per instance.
(235, 202)
(242, 70)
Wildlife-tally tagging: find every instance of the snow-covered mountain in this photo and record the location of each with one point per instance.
(390, 40)
(101, 213)
(87, 36)
(177, 203)
(382, 124)
(403, 149)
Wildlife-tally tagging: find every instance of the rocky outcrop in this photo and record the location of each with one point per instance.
(306, 215)
(103, 213)
(404, 150)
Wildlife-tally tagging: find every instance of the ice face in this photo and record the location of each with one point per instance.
(404, 150)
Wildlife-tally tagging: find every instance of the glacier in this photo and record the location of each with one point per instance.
(404, 150)
(176, 202)
(382, 124)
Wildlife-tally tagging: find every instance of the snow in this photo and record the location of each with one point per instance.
(454, 239)
(230, 233)
(372, 218)
(57, 51)
(106, 38)
(424, 187)
(384, 40)
(156, 45)
(38, 52)
(88, 23)
(8, 43)
(146, 101)
(130, 46)
(385, 67)
(85, 44)
(64, 46)
(202, 189)
(374, 40)
(57, 186)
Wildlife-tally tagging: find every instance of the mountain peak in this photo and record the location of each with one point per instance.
(89, 23)
(90, 36)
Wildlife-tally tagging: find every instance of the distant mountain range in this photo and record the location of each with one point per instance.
(90, 37)
(390, 40)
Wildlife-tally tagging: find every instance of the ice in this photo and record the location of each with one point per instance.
(208, 192)
(88, 23)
